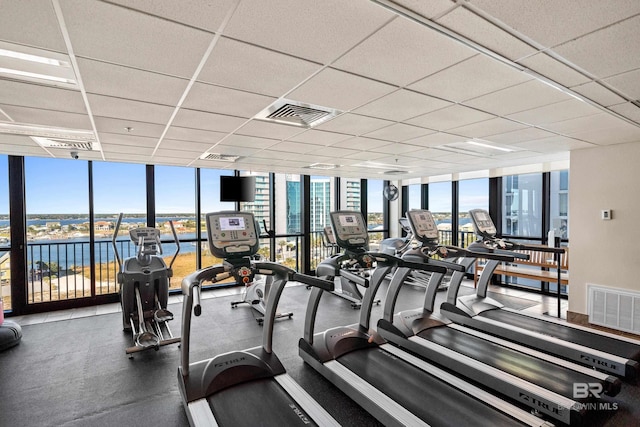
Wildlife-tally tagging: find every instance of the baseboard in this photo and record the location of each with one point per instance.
(583, 320)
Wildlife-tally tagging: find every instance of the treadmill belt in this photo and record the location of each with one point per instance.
(430, 399)
(576, 336)
(545, 374)
(257, 403)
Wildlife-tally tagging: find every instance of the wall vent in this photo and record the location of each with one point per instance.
(286, 111)
(219, 157)
(614, 308)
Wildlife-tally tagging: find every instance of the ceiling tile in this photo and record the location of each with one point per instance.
(216, 99)
(557, 112)
(111, 148)
(119, 126)
(612, 50)
(566, 20)
(43, 30)
(36, 96)
(295, 147)
(207, 121)
(234, 150)
(399, 132)
(123, 36)
(333, 151)
(353, 124)
(487, 127)
(403, 52)
(108, 139)
(397, 149)
(436, 139)
(554, 70)
(628, 110)
(520, 135)
(196, 13)
(172, 144)
(428, 9)
(135, 111)
(401, 105)
(365, 155)
(598, 94)
(321, 31)
(47, 117)
(450, 117)
(486, 34)
(627, 83)
(249, 141)
(361, 143)
(319, 137)
(196, 135)
(339, 90)
(588, 123)
(268, 130)
(616, 134)
(517, 98)
(254, 69)
(123, 82)
(553, 144)
(471, 78)
(179, 154)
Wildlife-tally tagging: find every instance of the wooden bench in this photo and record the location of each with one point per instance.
(540, 266)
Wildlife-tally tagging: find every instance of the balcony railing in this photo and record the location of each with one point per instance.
(62, 270)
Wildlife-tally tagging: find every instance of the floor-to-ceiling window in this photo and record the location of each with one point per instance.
(441, 207)
(559, 203)
(175, 196)
(58, 227)
(415, 197)
(288, 218)
(210, 202)
(375, 212)
(117, 188)
(522, 205)
(350, 192)
(321, 204)
(472, 194)
(5, 235)
(261, 208)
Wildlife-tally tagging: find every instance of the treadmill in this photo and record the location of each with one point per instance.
(533, 379)
(395, 387)
(221, 390)
(603, 351)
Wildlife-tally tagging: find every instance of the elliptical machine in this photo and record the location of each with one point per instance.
(256, 288)
(144, 289)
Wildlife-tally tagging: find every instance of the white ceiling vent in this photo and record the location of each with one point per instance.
(66, 144)
(219, 157)
(322, 166)
(296, 113)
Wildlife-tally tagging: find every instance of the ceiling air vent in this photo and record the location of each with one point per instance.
(322, 166)
(219, 157)
(295, 113)
(394, 172)
(65, 144)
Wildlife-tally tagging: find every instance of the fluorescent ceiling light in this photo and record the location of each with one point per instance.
(374, 165)
(495, 147)
(36, 75)
(32, 58)
(323, 166)
(46, 131)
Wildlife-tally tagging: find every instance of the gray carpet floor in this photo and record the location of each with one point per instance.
(75, 372)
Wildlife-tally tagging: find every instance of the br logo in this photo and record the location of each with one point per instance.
(584, 390)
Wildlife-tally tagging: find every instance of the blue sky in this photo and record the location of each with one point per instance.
(59, 186)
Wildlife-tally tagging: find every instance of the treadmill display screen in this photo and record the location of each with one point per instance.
(483, 222)
(228, 224)
(232, 234)
(350, 230)
(423, 225)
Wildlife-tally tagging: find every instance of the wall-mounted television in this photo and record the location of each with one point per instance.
(237, 188)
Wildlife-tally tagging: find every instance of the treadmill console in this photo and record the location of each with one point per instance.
(328, 234)
(349, 229)
(483, 223)
(423, 226)
(232, 234)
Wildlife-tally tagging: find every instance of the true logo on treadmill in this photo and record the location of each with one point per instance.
(598, 362)
(299, 413)
(230, 362)
(539, 404)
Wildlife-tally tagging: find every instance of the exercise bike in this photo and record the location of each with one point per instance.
(144, 289)
(257, 287)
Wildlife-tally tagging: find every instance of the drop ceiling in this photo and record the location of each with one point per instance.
(410, 82)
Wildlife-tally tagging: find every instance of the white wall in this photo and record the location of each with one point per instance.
(602, 252)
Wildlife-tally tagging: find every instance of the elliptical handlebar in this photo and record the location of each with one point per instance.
(175, 238)
(113, 241)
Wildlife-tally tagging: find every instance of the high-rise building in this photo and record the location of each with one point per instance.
(320, 202)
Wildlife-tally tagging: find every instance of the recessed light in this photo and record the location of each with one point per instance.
(32, 58)
(323, 166)
(495, 147)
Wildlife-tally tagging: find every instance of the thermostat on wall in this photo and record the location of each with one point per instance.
(606, 214)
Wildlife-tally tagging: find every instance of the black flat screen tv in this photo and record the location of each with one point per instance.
(237, 188)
